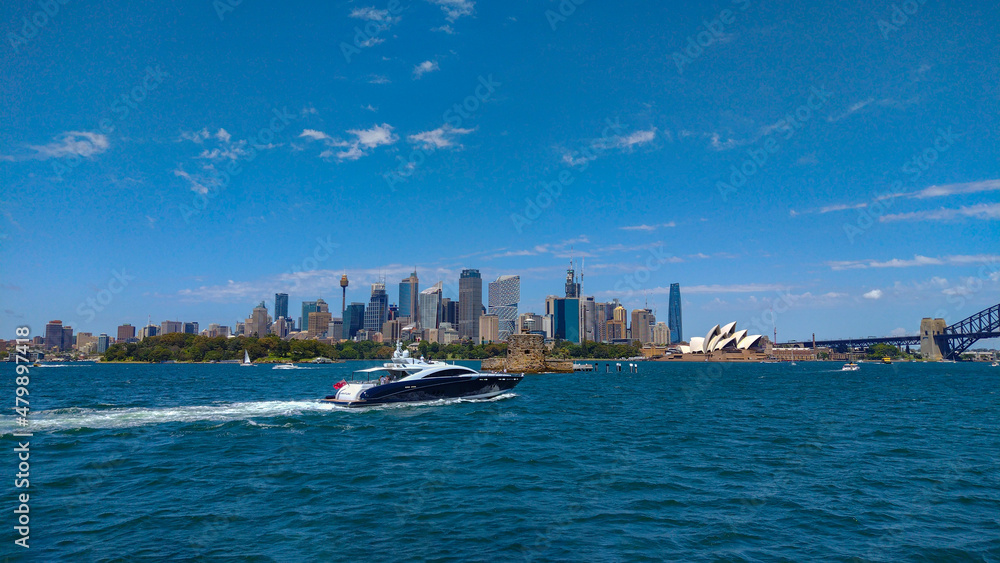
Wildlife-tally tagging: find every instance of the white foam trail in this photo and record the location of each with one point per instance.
(73, 418)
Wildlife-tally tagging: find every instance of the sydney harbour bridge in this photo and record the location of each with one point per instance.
(949, 341)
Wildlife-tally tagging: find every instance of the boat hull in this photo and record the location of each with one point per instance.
(483, 386)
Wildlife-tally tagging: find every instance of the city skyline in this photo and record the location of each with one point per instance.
(833, 194)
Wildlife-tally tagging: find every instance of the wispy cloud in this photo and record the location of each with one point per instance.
(443, 137)
(454, 9)
(84, 144)
(873, 294)
(364, 140)
(851, 110)
(944, 190)
(917, 260)
(617, 142)
(423, 68)
(648, 228)
(985, 211)
(370, 13)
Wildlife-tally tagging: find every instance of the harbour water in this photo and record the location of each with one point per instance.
(741, 462)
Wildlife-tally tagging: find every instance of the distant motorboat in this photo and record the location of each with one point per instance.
(288, 365)
(995, 364)
(850, 366)
(246, 359)
(322, 360)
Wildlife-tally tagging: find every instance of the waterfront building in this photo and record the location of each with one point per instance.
(661, 334)
(604, 313)
(259, 322)
(170, 327)
(103, 343)
(642, 324)
(125, 332)
(409, 298)
(391, 330)
(470, 304)
(280, 305)
(86, 342)
(588, 308)
(149, 330)
(674, 316)
(307, 307)
(67, 338)
(281, 326)
(489, 329)
(565, 315)
(531, 323)
(430, 307)
(335, 329)
(616, 331)
(354, 320)
(319, 322)
(54, 335)
(190, 328)
(377, 311)
(504, 296)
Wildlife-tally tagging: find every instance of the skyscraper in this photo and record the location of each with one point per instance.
(190, 328)
(126, 333)
(67, 338)
(409, 296)
(103, 343)
(307, 307)
(504, 296)
(170, 327)
(449, 312)
(642, 325)
(674, 316)
(470, 304)
(489, 329)
(377, 311)
(280, 305)
(54, 335)
(259, 322)
(572, 286)
(354, 320)
(565, 315)
(430, 306)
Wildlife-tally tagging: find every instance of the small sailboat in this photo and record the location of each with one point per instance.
(995, 364)
(246, 359)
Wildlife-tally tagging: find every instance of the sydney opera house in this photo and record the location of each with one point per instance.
(722, 339)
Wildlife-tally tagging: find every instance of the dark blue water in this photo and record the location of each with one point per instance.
(678, 462)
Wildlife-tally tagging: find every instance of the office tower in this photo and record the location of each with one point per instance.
(449, 311)
(54, 335)
(67, 338)
(565, 315)
(392, 313)
(86, 342)
(103, 343)
(642, 321)
(674, 317)
(589, 312)
(504, 296)
(391, 330)
(354, 320)
(377, 311)
(616, 331)
(529, 323)
(281, 326)
(335, 329)
(126, 333)
(280, 305)
(169, 327)
(149, 330)
(319, 323)
(430, 307)
(489, 329)
(190, 328)
(259, 322)
(572, 286)
(307, 307)
(661, 334)
(409, 296)
(470, 304)
(604, 313)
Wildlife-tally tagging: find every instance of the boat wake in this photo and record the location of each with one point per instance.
(80, 418)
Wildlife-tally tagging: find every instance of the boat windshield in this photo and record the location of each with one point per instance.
(374, 374)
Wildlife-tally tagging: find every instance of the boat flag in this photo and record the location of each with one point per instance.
(340, 384)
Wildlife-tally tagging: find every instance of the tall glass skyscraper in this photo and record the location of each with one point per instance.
(307, 307)
(674, 319)
(378, 308)
(354, 320)
(470, 304)
(280, 305)
(504, 296)
(409, 292)
(430, 306)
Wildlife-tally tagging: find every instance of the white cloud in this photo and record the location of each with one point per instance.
(985, 211)
(648, 228)
(223, 135)
(195, 136)
(376, 136)
(314, 134)
(72, 143)
(379, 79)
(425, 67)
(444, 29)
(873, 294)
(851, 110)
(455, 9)
(440, 138)
(917, 260)
(636, 138)
(926, 193)
(370, 13)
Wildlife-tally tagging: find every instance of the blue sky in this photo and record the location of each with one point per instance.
(835, 163)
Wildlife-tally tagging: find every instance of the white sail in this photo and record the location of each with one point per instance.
(246, 357)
